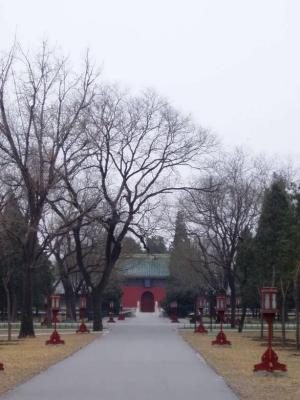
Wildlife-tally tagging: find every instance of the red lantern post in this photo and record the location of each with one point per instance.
(55, 337)
(121, 316)
(111, 312)
(221, 338)
(82, 308)
(173, 308)
(269, 360)
(199, 309)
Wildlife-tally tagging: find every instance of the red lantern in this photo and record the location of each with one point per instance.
(82, 307)
(82, 302)
(200, 305)
(173, 308)
(221, 303)
(111, 318)
(221, 338)
(173, 304)
(55, 300)
(269, 360)
(200, 302)
(55, 337)
(269, 300)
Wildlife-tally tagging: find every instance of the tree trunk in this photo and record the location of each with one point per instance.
(49, 313)
(296, 297)
(273, 276)
(14, 308)
(97, 311)
(297, 305)
(231, 283)
(8, 302)
(283, 330)
(243, 316)
(27, 329)
(69, 299)
(284, 290)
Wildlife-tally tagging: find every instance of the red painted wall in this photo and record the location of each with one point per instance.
(133, 294)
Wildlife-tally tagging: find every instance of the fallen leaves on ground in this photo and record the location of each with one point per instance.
(236, 363)
(27, 357)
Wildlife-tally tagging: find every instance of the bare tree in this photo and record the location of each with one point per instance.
(140, 146)
(41, 108)
(219, 217)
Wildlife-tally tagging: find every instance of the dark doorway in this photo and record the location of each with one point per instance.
(147, 303)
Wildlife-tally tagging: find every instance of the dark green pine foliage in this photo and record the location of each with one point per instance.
(246, 271)
(12, 233)
(247, 276)
(181, 240)
(12, 237)
(130, 247)
(274, 238)
(156, 245)
(184, 280)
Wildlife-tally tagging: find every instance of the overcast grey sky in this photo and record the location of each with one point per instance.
(233, 64)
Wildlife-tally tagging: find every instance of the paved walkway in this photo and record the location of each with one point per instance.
(142, 358)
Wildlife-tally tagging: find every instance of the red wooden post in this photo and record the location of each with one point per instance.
(221, 338)
(173, 307)
(82, 307)
(121, 316)
(199, 308)
(55, 337)
(269, 360)
(111, 312)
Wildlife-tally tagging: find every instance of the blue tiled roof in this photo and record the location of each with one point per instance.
(147, 266)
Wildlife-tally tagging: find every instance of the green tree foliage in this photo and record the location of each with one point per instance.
(296, 254)
(130, 247)
(156, 245)
(246, 274)
(275, 243)
(42, 281)
(184, 284)
(274, 239)
(246, 269)
(11, 262)
(12, 236)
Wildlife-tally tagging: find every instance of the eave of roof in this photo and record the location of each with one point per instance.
(146, 266)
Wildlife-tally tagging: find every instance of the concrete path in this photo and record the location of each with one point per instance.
(142, 358)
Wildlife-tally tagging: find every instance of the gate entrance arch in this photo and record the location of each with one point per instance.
(147, 302)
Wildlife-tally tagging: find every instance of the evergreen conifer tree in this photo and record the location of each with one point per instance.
(275, 229)
(185, 283)
(274, 242)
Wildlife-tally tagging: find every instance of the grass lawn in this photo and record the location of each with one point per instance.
(24, 358)
(236, 363)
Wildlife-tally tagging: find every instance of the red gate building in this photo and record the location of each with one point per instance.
(145, 279)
